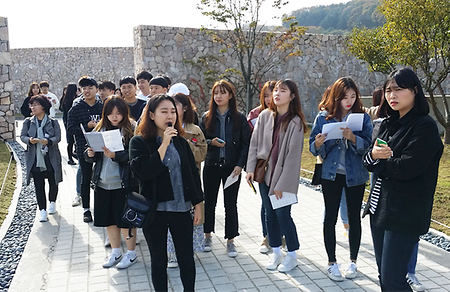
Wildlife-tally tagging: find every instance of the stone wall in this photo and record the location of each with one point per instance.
(165, 49)
(61, 66)
(7, 121)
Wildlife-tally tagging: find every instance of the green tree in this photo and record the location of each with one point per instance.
(257, 50)
(416, 34)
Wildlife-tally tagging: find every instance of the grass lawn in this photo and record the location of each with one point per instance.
(441, 208)
(10, 183)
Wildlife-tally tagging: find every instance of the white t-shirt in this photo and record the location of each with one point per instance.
(143, 97)
(55, 103)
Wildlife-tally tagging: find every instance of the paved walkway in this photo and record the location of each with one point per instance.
(66, 254)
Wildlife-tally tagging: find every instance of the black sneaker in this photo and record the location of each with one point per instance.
(87, 216)
(71, 162)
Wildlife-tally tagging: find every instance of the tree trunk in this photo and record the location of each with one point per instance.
(447, 135)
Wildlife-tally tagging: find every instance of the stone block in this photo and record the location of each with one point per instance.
(8, 86)
(4, 36)
(3, 21)
(5, 58)
(7, 135)
(5, 100)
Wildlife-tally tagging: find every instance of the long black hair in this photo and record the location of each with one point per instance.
(71, 94)
(406, 78)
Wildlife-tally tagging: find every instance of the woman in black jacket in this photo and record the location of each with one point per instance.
(405, 175)
(164, 164)
(228, 136)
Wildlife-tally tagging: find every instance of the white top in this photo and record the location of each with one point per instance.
(143, 97)
(55, 103)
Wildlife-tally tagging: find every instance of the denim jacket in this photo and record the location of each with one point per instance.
(356, 174)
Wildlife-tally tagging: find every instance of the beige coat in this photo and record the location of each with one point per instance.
(198, 149)
(287, 169)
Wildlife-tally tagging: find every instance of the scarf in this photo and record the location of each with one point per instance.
(41, 150)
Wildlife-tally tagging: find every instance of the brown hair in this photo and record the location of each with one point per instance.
(295, 106)
(269, 85)
(147, 127)
(124, 125)
(224, 87)
(30, 91)
(325, 96)
(189, 114)
(337, 93)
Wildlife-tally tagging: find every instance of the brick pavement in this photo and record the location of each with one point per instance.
(66, 254)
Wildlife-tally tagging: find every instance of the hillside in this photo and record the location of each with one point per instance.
(340, 18)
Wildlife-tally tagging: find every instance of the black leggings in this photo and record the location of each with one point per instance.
(332, 192)
(39, 185)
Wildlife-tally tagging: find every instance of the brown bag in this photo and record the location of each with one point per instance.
(261, 168)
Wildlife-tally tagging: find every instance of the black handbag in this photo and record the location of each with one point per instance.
(136, 210)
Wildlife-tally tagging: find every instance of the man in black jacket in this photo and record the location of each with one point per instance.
(86, 112)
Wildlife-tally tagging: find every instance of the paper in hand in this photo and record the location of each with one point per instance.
(111, 139)
(231, 180)
(286, 199)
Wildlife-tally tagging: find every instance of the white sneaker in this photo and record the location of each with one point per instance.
(52, 208)
(43, 216)
(126, 261)
(275, 260)
(351, 271)
(112, 260)
(288, 264)
(208, 244)
(107, 242)
(334, 273)
(414, 283)
(231, 250)
(172, 261)
(264, 248)
(76, 201)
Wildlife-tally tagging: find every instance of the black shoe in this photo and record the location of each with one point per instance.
(71, 162)
(87, 217)
(74, 157)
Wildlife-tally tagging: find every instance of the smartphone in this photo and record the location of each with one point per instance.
(381, 142)
(220, 141)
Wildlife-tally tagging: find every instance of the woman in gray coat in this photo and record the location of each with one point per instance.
(42, 135)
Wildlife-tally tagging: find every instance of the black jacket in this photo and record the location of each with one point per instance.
(25, 108)
(153, 175)
(409, 177)
(122, 158)
(237, 142)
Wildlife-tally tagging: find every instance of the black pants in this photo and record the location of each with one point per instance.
(86, 174)
(39, 185)
(70, 143)
(181, 226)
(332, 192)
(212, 176)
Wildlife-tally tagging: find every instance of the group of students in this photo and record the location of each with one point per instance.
(163, 150)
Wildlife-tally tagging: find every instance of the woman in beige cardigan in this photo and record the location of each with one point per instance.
(280, 128)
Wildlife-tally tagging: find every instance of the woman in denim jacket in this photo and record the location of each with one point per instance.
(342, 168)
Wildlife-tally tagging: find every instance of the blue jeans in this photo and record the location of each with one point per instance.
(78, 187)
(413, 260)
(263, 220)
(392, 253)
(279, 222)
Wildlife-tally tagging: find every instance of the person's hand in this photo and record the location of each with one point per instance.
(320, 139)
(348, 134)
(249, 177)
(381, 152)
(33, 140)
(197, 214)
(92, 124)
(278, 194)
(44, 141)
(237, 171)
(169, 132)
(216, 143)
(90, 152)
(108, 153)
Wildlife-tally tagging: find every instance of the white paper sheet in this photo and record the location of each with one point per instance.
(286, 199)
(111, 139)
(333, 130)
(355, 122)
(230, 180)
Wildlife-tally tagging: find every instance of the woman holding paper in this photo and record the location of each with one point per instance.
(228, 135)
(342, 167)
(111, 176)
(279, 131)
(42, 134)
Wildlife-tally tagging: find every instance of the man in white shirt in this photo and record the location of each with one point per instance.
(143, 83)
(44, 85)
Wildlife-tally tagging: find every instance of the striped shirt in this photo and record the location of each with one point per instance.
(375, 195)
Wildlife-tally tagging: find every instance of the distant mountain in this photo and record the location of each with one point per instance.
(340, 18)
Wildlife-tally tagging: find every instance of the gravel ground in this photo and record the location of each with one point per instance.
(438, 240)
(15, 240)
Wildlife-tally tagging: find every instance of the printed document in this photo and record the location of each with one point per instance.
(111, 139)
(286, 199)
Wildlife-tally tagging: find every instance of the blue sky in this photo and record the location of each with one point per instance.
(106, 23)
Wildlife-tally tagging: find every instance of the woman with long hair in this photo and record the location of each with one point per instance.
(342, 169)
(69, 95)
(164, 164)
(404, 158)
(34, 90)
(41, 134)
(279, 133)
(228, 135)
(112, 180)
